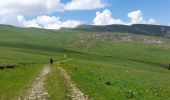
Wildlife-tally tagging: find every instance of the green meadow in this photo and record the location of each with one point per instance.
(104, 65)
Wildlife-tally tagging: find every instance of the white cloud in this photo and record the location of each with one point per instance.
(48, 22)
(152, 21)
(29, 7)
(30, 23)
(10, 9)
(11, 20)
(71, 23)
(136, 17)
(35, 7)
(84, 4)
(105, 18)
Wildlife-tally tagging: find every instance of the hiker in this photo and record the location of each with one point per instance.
(51, 61)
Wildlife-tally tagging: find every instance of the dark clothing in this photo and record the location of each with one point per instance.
(51, 61)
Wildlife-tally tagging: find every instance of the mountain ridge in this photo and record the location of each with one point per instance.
(138, 29)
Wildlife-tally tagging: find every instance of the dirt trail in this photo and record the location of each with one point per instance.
(37, 90)
(76, 93)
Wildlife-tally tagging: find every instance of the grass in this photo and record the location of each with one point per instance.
(56, 86)
(13, 82)
(105, 70)
(119, 79)
(131, 71)
(30, 46)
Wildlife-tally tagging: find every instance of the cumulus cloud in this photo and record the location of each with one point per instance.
(30, 23)
(136, 17)
(10, 9)
(84, 4)
(48, 22)
(105, 18)
(31, 7)
(10, 20)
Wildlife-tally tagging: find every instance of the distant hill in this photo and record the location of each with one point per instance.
(141, 29)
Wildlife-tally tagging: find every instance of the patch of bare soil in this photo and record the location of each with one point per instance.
(76, 93)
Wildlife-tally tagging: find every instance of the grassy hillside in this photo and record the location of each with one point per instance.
(140, 29)
(136, 73)
(106, 62)
(32, 45)
(13, 82)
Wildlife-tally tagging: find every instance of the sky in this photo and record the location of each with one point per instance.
(54, 14)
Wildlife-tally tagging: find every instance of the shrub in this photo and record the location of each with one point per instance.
(130, 94)
(107, 83)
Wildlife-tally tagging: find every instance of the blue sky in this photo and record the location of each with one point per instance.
(157, 9)
(55, 14)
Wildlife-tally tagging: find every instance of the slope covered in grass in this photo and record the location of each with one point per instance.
(129, 71)
(32, 45)
(106, 62)
(13, 82)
